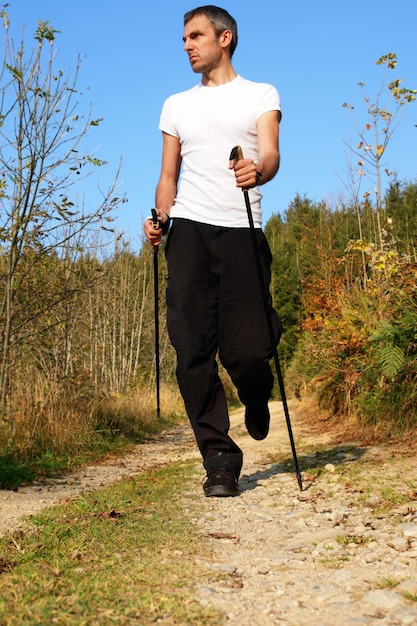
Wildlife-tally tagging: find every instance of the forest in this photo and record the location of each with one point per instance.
(77, 352)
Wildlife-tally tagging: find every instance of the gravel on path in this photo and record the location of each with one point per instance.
(341, 552)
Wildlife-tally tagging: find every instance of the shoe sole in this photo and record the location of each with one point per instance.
(257, 435)
(221, 491)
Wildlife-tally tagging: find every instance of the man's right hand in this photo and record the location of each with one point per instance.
(152, 234)
(155, 227)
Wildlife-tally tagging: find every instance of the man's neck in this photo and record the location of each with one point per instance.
(218, 76)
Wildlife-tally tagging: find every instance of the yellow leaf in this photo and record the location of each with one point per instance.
(380, 150)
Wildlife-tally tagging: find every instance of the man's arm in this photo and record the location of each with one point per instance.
(248, 173)
(268, 144)
(166, 189)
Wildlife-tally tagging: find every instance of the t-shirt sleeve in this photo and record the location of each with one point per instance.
(166, 121)
(270, 101)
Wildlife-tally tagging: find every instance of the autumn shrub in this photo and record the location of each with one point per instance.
(360, 358)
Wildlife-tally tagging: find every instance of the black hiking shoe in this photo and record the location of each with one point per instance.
(221, 483)
(257, 421)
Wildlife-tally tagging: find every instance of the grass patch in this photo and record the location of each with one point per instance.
(12, 472)
(17, 470)
(121, 555)
(393, 497)
(333, 562)
(115, 425)
(388, 583)
(346, 540)
(409, 596)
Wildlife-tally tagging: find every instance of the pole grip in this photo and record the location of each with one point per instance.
(236, 154)
(155, 221)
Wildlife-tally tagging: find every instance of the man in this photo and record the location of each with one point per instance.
(214, 301)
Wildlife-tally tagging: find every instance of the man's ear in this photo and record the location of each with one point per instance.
(225, 38)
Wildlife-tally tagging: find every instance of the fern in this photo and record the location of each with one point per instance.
(386, 332)
(391, 359)
(390, 355)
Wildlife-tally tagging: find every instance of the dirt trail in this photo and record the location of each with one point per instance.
(165, 448)
(169, 446)
(343, 551)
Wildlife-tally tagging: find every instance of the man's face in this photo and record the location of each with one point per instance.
(202, 44)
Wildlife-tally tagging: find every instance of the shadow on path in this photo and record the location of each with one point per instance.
(339, 455)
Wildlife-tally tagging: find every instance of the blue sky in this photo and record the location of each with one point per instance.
(314, 52)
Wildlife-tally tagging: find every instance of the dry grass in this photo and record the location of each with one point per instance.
(135, 413)
(56, 425)
(49, 415)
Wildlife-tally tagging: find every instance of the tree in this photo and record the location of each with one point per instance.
(374, 137)
(401, 208)
(41, 133)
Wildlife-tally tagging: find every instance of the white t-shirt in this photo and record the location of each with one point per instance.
(209, 122)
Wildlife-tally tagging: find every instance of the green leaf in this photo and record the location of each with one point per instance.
(391, 359)
(385, 332)
(14, 71)
(45, 31)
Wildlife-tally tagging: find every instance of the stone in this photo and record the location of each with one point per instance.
(382, 598)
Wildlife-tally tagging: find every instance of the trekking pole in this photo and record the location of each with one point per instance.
(237, 154)
(155, 223)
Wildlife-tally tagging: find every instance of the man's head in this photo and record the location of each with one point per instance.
(220, 19)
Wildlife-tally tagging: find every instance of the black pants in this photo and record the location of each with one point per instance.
(214, 304)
